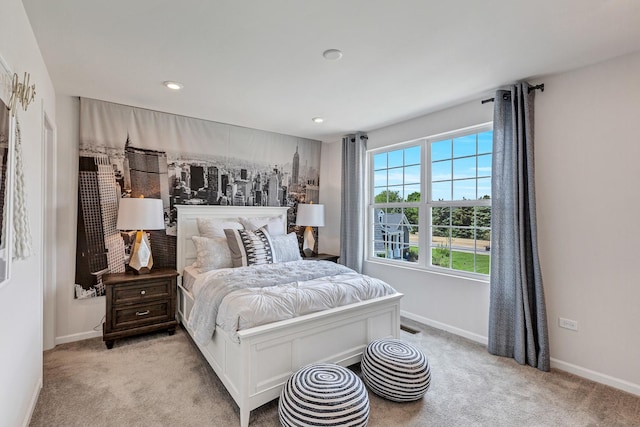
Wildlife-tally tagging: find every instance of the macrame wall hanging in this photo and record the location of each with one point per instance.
(22, 248)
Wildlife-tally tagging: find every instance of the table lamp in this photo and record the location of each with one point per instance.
(140, 214)
(310, 215)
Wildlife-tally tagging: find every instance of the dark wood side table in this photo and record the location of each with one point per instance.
(323, 257)
(137, 304)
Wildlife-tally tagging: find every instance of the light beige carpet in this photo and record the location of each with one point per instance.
(161, 380)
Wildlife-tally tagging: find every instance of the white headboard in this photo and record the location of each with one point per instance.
(187, 225)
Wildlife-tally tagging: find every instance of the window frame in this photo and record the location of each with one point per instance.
(424, 205)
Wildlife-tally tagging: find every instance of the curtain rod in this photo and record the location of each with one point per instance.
(353, 138)
(536, 87)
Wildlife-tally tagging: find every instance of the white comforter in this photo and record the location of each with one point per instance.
(241, 298)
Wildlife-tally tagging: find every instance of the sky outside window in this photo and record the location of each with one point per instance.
(461, 167)
(398, 171)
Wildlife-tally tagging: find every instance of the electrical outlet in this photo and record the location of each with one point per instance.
(568, 323)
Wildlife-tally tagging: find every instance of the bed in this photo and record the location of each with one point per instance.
(254, 363)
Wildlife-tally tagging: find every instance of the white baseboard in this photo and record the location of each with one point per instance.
(555, 363)
(32, 404)
(78, 337)
(438, 325)
(598, 377)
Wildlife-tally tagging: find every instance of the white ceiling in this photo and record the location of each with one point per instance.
(259, 63)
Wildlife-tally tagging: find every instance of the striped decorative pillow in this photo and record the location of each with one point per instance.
(249, 247)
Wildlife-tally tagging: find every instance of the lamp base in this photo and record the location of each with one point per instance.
(309, 242)
(141, 259)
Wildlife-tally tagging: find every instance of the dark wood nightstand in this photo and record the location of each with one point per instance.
(322, 257)
(137, 304)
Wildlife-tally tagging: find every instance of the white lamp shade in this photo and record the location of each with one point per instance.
(140, 214)
(310, 215)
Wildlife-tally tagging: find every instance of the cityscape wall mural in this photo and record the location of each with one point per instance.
(130, 152)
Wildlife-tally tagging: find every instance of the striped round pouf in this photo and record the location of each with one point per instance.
(322, 394)
(395, 370)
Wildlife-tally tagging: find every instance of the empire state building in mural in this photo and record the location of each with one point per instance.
(295, 169)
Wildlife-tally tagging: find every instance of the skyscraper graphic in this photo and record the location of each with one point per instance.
(99, 246)
(148, 172)
(224, 182)
(197, 177)
(213, 185)
(150, 178)
(238, 199)
(295, 169)
(274, 189)
(312, 193)
(244, 187)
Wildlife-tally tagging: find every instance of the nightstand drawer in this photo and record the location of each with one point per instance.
(140, 314)
(137, 304)
(142, 292)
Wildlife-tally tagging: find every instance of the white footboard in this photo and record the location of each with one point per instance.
(255, 369)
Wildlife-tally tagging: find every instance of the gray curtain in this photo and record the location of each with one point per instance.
(353, 218)
(517, 313)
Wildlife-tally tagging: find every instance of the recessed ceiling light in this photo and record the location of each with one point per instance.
(173, 85)
(332, 54)
(317, 120)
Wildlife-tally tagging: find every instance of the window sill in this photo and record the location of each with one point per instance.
(480, 278)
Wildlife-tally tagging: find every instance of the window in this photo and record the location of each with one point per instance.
(397, 177)
(430, 203)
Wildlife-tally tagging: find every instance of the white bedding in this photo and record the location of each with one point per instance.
(241, 298)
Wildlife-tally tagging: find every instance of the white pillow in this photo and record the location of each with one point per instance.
(274, 224)
(211, 253)
(212, 228)
(285, 248)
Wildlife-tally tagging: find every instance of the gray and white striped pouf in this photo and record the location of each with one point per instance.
(395, 370)
(322, 394)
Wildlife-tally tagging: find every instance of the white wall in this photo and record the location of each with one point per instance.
(21, 298)
(587, 172)
(587, 176)
(330, 196)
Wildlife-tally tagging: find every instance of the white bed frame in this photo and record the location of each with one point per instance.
(255, 369)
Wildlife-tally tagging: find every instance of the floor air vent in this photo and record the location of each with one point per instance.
(409, 330)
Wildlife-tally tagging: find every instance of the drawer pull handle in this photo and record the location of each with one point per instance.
(142, 313)
(143, 292)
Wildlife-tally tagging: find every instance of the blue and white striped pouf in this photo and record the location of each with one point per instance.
(395, 370)
(322, 394)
